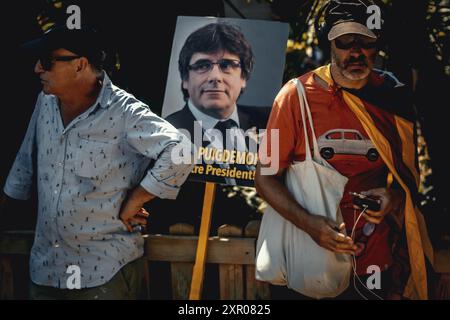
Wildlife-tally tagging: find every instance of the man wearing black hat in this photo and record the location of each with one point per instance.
(100, 155)
(366, 133)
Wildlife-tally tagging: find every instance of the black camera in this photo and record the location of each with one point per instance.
(366, 202)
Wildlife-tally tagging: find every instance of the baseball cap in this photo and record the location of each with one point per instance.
(348, 16)
(350, 27)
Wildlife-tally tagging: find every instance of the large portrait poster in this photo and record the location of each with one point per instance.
(223, 77)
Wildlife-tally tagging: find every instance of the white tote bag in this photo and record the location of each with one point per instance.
(286, 255)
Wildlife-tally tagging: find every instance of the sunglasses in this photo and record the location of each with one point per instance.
(225, 65)
(346, 45)
(48, 61)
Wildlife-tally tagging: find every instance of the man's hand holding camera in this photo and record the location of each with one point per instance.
(329, 236)
(391, 202)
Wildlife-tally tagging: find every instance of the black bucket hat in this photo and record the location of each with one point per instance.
(83, 42)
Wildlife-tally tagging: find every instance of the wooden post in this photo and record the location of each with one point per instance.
(205, 225)
(256, 290)
(181, 272)
(231, 275)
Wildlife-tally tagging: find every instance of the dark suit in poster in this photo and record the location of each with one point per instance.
(184, 119)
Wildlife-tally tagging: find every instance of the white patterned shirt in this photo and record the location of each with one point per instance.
(84, 171)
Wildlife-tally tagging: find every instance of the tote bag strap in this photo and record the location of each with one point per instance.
(304, 105)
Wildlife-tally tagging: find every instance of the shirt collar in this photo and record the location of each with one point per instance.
(104, 97)
(209, 122)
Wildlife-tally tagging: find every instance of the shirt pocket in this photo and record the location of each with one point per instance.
(94, 159)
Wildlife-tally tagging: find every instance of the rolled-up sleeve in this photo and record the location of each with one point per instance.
(171, 151)
(19, 181)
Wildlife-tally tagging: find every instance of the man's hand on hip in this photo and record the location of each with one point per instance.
(132, 212)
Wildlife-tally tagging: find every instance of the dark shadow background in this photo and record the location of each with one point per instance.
(139, 35)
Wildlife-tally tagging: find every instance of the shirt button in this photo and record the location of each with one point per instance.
(56, 191)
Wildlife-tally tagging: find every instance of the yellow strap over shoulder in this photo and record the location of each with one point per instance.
(416, 231)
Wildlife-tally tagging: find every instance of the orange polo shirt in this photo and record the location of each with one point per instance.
(336, 127)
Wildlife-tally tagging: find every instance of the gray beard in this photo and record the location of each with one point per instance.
(353, 76)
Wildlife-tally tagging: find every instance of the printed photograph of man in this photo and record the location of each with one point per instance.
(215, 64)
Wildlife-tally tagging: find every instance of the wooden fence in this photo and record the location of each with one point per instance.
(233, 249)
